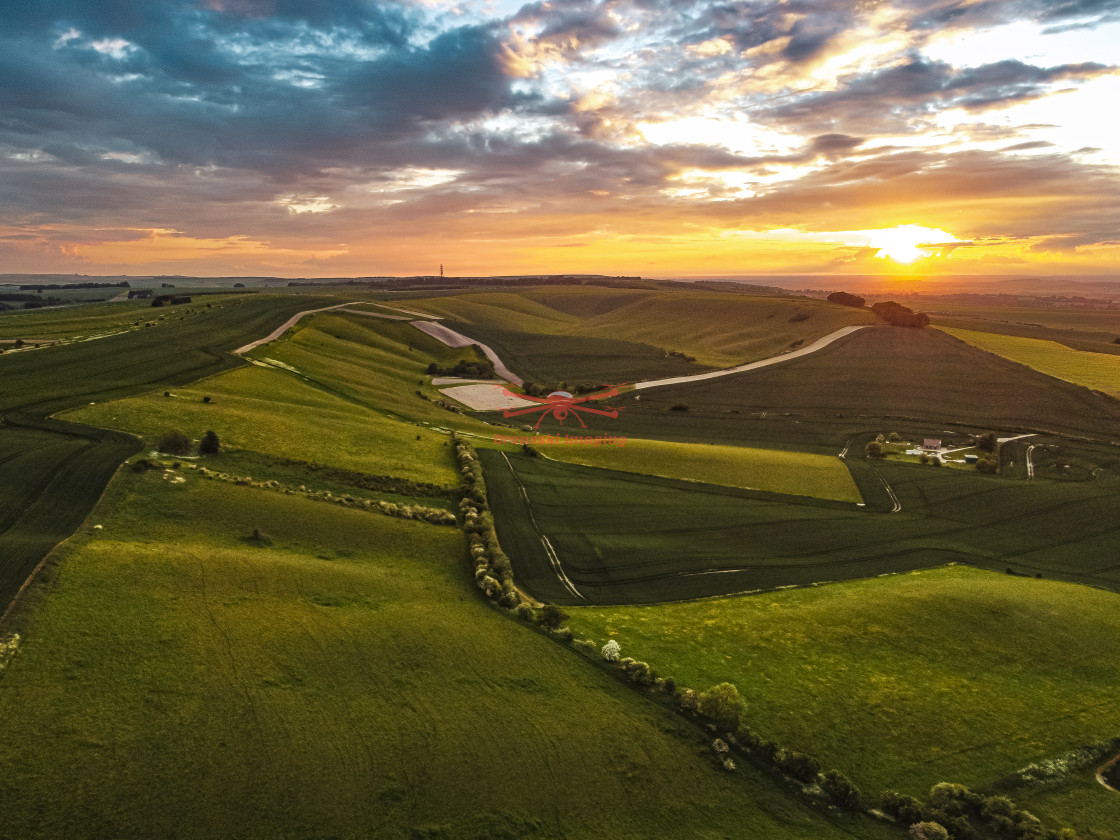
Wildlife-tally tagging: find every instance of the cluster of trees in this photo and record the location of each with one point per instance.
(953, 812)
(176, 442)
(475, 369)
(900, 316)
(846, 299)
(540, 389)
(173, 300)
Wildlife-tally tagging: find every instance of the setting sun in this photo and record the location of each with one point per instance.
(907, 243)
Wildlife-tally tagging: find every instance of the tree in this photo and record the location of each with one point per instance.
(846, 299)
(987, 442)
(874, 449)
(840, 790)
(611, 651)
(174, 442)
(928, 831)
(723, 705)
(899, 315)
(551, 616)
(210, 444)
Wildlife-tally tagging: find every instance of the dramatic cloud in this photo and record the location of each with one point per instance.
(624, 136)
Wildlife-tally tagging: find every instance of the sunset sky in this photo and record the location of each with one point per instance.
(683, 138)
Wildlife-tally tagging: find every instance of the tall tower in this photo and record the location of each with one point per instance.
(441, 269)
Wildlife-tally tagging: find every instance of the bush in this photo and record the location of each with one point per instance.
(900, 316)
(928, 831)
(551, 616)
(804, 768)
(210, 444)
(524, 612)
(174, 442)
(841, 791)
(723, 705)
(690, 701)
(679, 407)
(905, 809)
(846, 299)
(611, 651)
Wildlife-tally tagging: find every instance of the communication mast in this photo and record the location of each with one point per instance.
(441, 269)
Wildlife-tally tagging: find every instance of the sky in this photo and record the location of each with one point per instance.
(313, 138)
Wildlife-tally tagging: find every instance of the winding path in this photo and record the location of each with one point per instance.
(287, 325)
(454, 339)
(819, 344)
(1104, 769)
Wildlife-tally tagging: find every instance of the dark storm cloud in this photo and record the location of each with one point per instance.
(185, 87)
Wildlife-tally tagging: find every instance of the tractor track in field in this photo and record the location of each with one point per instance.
(1103, 769)
(550, 552)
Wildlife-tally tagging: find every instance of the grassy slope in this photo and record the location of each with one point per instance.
(719, 329)
(1079, 802)
(1091, 330)
(915, 381)
(1100, 371)
(61, 476)
(356, 384)
(775, 471)
(180, 681)
(902, 682)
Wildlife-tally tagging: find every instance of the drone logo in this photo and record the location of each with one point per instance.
(561, 403)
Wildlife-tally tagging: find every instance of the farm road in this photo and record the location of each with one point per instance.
(287, 325)
(453, 339)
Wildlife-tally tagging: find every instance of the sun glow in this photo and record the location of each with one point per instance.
(907, 243)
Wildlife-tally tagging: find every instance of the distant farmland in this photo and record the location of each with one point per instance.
(1093, 370)
(626, 538)
(876, 380)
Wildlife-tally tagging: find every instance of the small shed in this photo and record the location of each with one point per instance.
(932, 444)
(971, 459)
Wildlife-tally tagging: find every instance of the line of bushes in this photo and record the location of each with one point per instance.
(952, 811)
(366, 481)
(493, 573)
(434, 516)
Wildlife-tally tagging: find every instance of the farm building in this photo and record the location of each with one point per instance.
(932, 444)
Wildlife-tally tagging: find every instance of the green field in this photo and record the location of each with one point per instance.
(1100, 371)
(351, 377)
(627, 538)
(177, 678)
(905, 681)
(53, 471)
(1091, 330)
(775, 471)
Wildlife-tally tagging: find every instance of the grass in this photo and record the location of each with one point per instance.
(719, 329)
(177, 679)
(627, 538)
(352, 378)
(774, 471)
(1100, 371)
(1079, 802)
(901, 682)
(53, 482)
(273, 412)
(917, 382)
